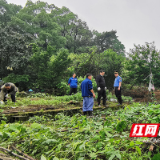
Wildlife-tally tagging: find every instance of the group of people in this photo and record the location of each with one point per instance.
(86, 88)
(88, 92)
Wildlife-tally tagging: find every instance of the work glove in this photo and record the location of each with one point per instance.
(105, 88)
(98, 88)
(2, 102)
(6, 95)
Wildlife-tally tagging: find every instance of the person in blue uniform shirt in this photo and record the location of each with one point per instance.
(88, 95)
(117, 87)
(73, 84)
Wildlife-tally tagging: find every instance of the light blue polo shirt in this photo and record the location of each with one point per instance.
(117, 80)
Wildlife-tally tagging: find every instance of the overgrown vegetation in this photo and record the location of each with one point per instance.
(41, 45)
(80, 137)
(46, 99)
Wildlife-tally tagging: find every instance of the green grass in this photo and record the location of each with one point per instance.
(42, 99)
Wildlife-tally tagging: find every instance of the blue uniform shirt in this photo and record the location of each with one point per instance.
(117, 80)
(73, 82)
(86, 86)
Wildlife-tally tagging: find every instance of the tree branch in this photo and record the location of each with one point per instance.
(14, 154)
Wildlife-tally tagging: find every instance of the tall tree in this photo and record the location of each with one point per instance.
(141, 60)
(94, 61)
(111, 61)
(7, 11)
(75, 30)
(35, 19)
(47, 69)
(108, 40)
(14, 51)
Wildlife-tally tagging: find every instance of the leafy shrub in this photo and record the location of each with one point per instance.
(127, 99)
(40, 95)
(121, 126)
(62, 88)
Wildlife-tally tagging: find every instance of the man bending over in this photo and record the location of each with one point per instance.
(8, 88)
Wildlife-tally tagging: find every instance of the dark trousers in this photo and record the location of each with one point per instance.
(102, 93)
(73, 90)
(12, 97)
(89, 113)
(118, 95)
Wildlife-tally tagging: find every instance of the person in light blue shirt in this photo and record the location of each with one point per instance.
(117, 87)
(73, 84)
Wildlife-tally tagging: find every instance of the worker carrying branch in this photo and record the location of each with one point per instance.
(8, 88)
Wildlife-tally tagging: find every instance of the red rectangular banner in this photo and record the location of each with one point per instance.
(144, 130)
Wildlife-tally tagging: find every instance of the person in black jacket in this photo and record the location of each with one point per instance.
(101, 87)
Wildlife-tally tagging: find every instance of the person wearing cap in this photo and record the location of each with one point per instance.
(101, 87)
(88, 95)
(8, 88)
(117, 87)
(73, 84)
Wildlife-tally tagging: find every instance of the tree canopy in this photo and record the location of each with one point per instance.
(41, 45)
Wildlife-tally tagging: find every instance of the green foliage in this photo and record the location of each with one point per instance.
(111, 61)
(127, 99)
(83, 138)
(34, 19)
(48, 67)
(63, 88)
(156, 156)
(121, 126)
(108, 40)
(93, 62)
(14, 51)
(7, 11)
(73, 29)
(40, 95)
(32, 41)
(22, 80)
(142, 60)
